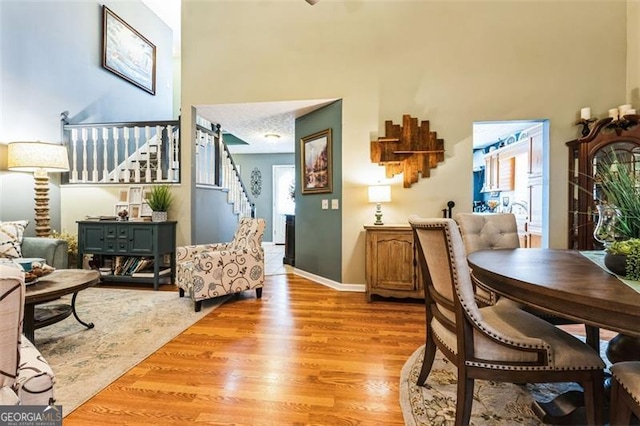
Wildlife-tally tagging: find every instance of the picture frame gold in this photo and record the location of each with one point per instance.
(316, 163)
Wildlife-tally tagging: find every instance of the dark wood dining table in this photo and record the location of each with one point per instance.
(564, 283)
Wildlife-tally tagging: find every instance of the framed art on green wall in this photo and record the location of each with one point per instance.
(316, 163)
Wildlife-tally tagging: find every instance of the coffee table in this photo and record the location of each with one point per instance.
(49, 288)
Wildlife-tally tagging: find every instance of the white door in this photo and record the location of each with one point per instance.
(283, 180)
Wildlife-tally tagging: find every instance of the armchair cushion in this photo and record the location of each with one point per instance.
(11, 235)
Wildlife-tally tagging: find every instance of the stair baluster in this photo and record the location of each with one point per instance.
(147, 171)
(127, 161)
(85, 172)
(136, 154)
(105, 154)
(94, 169)
(116, 164)
(74, 143)
(159, 145)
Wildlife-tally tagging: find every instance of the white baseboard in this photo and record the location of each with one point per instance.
(358, 288)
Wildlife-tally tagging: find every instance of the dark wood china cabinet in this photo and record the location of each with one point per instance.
(607, 137)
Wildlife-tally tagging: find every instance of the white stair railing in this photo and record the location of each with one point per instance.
(215, 167)
(149, 152)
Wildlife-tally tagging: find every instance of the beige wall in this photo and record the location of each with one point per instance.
(633, 53)
(452, 63)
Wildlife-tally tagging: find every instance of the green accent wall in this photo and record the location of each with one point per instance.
(264, 201)
(319, 232)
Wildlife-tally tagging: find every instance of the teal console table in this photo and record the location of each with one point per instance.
(120, 247)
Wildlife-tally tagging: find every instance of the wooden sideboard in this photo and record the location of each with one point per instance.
(391, 268)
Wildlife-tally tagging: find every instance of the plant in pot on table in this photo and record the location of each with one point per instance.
(159, 200)
(618, 225)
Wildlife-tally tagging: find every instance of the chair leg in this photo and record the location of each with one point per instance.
(593, 337)
(181, 292)
(464, 397)
(620, 411)
(594, 398)
(259, 292)
(427, 363)
(197, 306)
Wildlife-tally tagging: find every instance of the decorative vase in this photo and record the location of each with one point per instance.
(616, 263)
(158, 216)
(605, 230)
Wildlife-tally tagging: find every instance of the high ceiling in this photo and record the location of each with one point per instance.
(251, 122)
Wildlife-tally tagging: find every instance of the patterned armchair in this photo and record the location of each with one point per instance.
(207, 271)
(25, 376)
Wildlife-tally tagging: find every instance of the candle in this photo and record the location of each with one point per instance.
(585, 113)
(613, 113)
(622, 109)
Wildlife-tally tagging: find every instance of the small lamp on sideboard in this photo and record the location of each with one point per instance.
(379, 194)
(39, 158)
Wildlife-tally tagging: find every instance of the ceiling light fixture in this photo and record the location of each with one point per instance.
(272, 137)
(312, 2)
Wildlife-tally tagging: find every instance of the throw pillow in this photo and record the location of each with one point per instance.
(11, 234)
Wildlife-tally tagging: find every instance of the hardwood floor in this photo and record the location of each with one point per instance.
(303, 354)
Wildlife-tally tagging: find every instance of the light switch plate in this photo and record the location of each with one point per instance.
(335, 205)
(325, 204)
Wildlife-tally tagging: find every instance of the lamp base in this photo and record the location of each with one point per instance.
(42, 218)
(378, 215)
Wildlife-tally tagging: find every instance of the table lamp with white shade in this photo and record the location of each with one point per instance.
(379, 194)
(40, 158)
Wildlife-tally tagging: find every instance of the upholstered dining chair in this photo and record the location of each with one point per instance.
(207, 271)
(487, 232)
(500, 231)
(499, 342)
(625, 392)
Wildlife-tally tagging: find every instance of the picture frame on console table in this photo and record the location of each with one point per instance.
(127, 53)
(316, 163)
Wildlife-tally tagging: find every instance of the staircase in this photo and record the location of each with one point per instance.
(149, 153)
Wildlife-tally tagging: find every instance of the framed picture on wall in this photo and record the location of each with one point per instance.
(316, 163)
(126, 53)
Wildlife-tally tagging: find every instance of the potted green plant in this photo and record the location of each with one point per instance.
(619, 197)
(623, 258)
(159, 200)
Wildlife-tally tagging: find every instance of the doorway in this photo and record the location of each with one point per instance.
(510, 175)
(283, 202)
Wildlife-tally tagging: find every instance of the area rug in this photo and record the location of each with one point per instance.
(129, 326)
(494, 403)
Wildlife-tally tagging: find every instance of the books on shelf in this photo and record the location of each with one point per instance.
(137, 267)
(149, 273)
